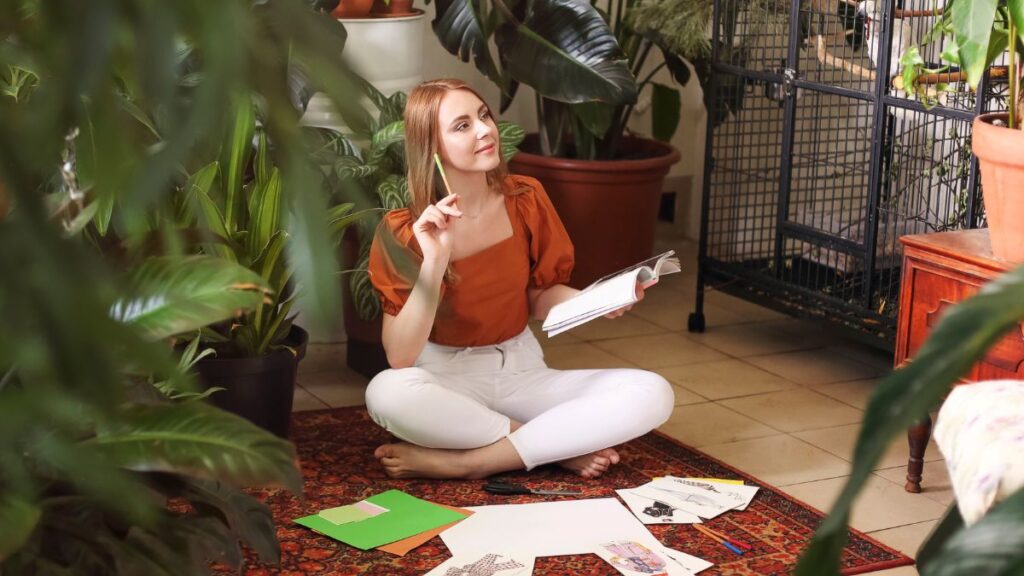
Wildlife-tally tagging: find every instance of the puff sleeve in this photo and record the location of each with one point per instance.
(551, 251)
(395, 260)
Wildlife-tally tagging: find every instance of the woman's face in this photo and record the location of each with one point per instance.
(469, 136)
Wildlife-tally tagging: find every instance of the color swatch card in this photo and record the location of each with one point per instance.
(484, 564)
(406, 516)
(352, 512)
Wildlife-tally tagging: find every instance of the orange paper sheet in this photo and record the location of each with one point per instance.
(402, 547)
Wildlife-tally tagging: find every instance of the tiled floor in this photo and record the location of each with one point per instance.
(776, 397)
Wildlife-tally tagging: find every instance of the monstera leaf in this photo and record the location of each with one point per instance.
(562, 48)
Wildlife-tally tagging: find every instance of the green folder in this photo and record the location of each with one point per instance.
(406, 516)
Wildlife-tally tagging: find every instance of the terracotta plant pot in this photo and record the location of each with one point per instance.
(353, 9)
(393, 8)
(1000, 153)
(609, 207)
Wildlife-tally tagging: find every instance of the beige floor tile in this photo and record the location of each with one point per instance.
(582, 356)
(793, 410)
(907, 539)
(660, 350)
(708, 423)
(809, 333)
(749, 310)
(303, 400)
(881, 359)
(666, 308)
(811, 367)
(881, 504)
(323, 358)
(685, 397)
(339, 394)
(780, 460)
(840, 440)
(743, 340)
(625, 326)
(855, 393)
(725, 379)
(935, 483)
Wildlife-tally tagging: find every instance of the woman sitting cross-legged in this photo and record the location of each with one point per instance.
(458, 277)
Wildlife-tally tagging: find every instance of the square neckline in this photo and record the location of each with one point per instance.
(508, 209)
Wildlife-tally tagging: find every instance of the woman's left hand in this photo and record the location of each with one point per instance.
(623, 310)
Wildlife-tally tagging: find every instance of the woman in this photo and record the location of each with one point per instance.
(458, 277)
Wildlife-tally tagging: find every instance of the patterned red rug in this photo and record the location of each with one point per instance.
(336, 448)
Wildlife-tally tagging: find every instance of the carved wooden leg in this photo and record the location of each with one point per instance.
(917, 437)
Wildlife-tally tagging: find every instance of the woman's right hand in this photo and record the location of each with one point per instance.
(431, 229)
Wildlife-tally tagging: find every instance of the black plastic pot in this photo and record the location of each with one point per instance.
(258, 389)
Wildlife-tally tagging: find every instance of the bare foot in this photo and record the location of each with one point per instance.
(404, 460)
(592, 465)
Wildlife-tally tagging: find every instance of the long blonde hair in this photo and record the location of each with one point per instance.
(423, 140)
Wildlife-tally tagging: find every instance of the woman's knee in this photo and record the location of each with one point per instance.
(656, 395)
(392, 392)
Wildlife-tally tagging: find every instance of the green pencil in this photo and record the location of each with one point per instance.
(437, 160)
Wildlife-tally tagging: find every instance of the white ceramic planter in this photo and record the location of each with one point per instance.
(387, 52)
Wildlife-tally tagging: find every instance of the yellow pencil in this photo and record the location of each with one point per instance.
(437, 160)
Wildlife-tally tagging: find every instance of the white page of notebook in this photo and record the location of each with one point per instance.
(546, 528)
(609, 295)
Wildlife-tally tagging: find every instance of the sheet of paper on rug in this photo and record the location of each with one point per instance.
(352, 512)
(651, 511)
(688, 561)
(546, 528)
(703, 503)
(406, 516)
(484, 564)
(740, 494)
(632, 558)
(403, 547)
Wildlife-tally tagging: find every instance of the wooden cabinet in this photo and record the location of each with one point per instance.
(940, 270)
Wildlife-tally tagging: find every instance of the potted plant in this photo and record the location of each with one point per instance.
(243, 207)
(979, 33)
(377, 170)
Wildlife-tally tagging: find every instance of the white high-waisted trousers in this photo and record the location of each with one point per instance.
(461, 398)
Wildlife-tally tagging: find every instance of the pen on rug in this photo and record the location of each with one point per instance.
(728, 538)
(718, 539)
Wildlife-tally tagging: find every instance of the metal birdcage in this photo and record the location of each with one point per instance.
(818, 159)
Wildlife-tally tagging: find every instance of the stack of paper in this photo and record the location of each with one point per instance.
(599, 526)
(672, 500)
(389, 518)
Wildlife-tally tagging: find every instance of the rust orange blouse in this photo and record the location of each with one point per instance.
(487, 303)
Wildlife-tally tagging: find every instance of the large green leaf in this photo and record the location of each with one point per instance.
(18, 520)
(384, 139)
(994, 546)
(236, 157)
(565, 51)
(168, 296)
(972, 28)
(665, 108)
(198, 440)
(459, 26)
(248, 517)
(901, 399)
(511, 136)
(264, 212)
(595, 116)
(1016, 10)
